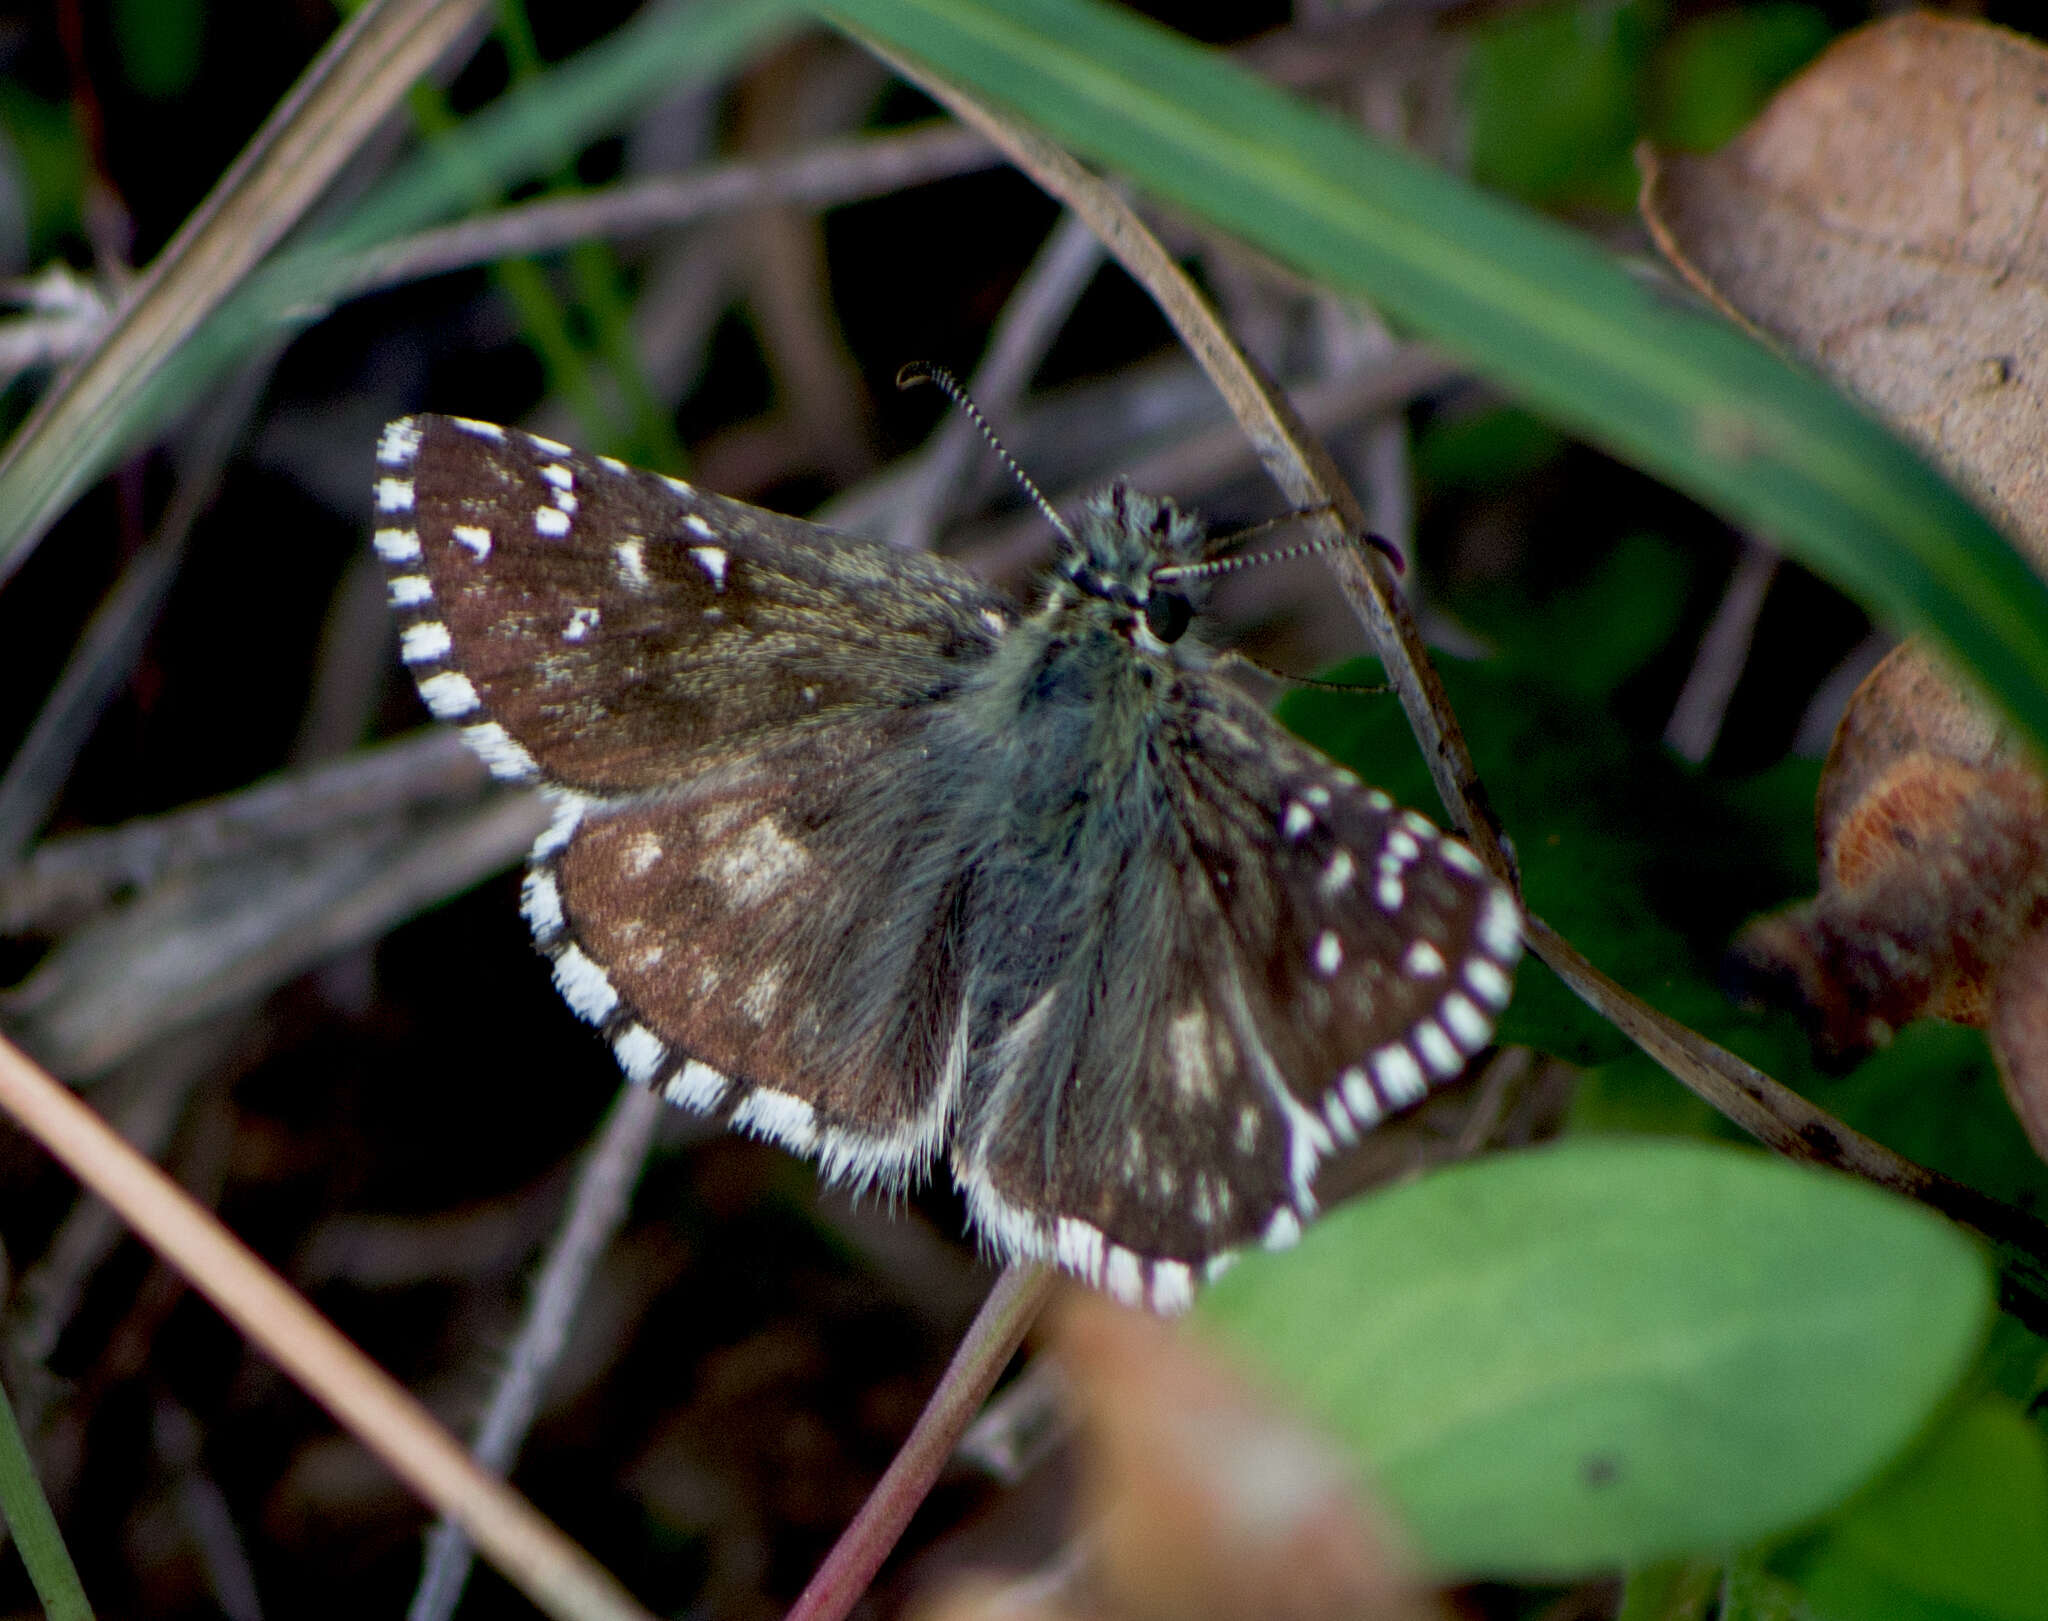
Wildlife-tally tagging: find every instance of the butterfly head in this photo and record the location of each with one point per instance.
(1121, 539)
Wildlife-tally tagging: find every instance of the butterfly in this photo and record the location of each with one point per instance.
(855, 854)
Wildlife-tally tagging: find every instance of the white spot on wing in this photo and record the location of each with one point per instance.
(582, 621)
(569, 810)
(397, 545)
(1500, 927)
(1187, 1050)
(551, 521)
(787, 1120)
(1283, 1231)
(1173, 1287)
(1078, 1247)
(501, 751)
(483, 430)
(1438, 1051)
(559, 476)
(399, 443)
(1459, 859)
(712, 560)
(642, 851)
(410, 590)
(1399, 1075)
(1488, 983)
(696, 1086)
(677, 485)
(424, 642)
(1329, 953)
(541, 903)
(758, 1000)
(449, 695)
(1469, 1027)
(1389, 892)
(1423, 961)
(583, 985)
(1336, 876)
(1298, 820)
(697, 526)
(757, 863)
(632, 562)
(1338, 1118)
(475, 537)
(554, 447)
(394, 495)
(1123, 1275)
(1360, 1098)
(640, 1053)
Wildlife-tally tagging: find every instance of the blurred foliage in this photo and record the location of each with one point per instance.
(161, 43)
(46, 169)
(1560, 93)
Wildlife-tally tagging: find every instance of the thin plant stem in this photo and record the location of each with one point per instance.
(35, 1527)
(998, 1329)
(556, 1574)
(597, 1206)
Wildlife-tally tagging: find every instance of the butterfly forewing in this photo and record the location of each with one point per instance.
(600, 627)
(853, 855)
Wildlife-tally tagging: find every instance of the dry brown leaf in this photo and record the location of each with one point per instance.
(2019, 1033)
(1200, 1501)
(1883, 218)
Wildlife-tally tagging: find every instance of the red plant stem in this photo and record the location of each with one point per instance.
(998, 1329)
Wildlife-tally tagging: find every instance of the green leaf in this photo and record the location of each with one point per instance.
(1538, 309)
(1720, 69)
(161, 42)
(1556, 95)
(1957, 1532)
(27, 1515)
(1606, 1353)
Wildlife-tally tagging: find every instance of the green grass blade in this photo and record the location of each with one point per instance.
(35, 1528)
(1529, 304)
(523, 132)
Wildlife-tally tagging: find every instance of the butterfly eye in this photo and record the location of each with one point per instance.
(1167, 615)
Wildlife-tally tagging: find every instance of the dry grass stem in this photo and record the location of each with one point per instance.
(359, 77)
(597, 1207)
(552, 1571)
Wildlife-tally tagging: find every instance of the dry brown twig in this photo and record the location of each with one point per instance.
(557, 1574)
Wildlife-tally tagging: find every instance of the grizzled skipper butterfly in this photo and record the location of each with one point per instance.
(853, 853)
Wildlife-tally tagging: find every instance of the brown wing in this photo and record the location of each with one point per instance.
(606, 628)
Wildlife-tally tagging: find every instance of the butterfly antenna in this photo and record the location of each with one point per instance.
(923, 371)
(1282, 554)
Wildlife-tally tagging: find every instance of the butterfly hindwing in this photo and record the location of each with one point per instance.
(725, 937)
(596, 626)
(1276, 959)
